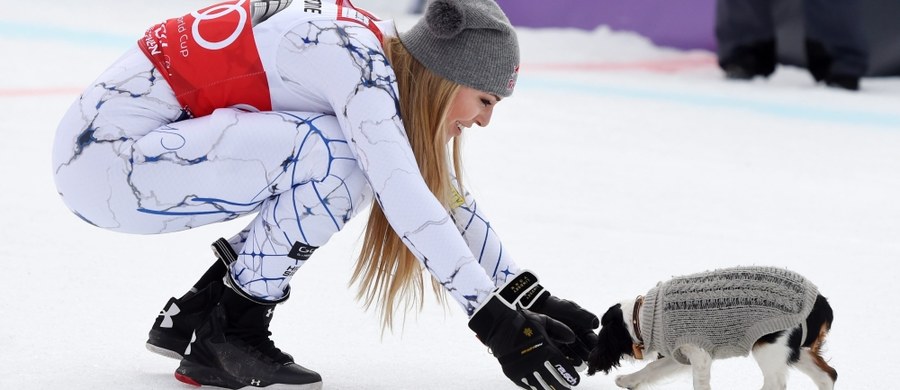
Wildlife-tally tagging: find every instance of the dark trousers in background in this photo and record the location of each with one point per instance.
(835, 43)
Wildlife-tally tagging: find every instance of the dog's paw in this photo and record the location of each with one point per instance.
(627, 382)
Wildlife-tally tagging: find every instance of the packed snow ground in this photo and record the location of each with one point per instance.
(615, 165)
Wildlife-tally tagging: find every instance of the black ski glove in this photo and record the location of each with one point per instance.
(525, 344)
(582, 322)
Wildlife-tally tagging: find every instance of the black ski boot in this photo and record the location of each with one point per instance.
(232, 350)
(171, 332)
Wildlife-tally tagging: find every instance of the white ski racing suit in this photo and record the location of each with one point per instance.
(293, 116)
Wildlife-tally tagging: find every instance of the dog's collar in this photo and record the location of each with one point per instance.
(637, 349)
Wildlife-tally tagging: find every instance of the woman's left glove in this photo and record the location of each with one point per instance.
(533, 297)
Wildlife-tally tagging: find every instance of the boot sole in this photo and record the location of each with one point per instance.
(163, 351)
(167, 344)
(195, 375)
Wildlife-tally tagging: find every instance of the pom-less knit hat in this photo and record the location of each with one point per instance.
(470, 42)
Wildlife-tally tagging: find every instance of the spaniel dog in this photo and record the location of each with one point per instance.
(691, 320)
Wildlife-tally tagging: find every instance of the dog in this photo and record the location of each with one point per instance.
(676, 323)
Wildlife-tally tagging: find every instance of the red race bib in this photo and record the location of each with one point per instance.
(210, 59)
(347, 12)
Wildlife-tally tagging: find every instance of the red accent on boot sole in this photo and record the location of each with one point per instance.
(186, 379)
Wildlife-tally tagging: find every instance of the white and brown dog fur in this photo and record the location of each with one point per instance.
(774, 353)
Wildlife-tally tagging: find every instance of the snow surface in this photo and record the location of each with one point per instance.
(615, 165)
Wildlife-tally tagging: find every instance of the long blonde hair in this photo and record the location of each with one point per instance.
(387, 272)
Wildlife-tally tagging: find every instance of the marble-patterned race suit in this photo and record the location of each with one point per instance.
(292, 116)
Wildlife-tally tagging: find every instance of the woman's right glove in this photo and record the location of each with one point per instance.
(582, 322)
(525, 343)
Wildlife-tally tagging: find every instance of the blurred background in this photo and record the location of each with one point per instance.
(690, 24)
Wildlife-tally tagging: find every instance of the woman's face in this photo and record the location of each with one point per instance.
(469, 107)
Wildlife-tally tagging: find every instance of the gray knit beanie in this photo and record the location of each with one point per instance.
(470, 42)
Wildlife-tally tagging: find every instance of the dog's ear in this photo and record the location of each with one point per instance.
(611, 313)
(614, 342)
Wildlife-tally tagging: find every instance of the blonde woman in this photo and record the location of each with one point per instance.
(302, 114)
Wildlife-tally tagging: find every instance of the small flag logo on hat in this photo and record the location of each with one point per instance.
(512, 79)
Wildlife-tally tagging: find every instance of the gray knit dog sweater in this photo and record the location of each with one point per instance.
(724, 311)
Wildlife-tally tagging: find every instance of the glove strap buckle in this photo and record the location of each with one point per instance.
(520, 292)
